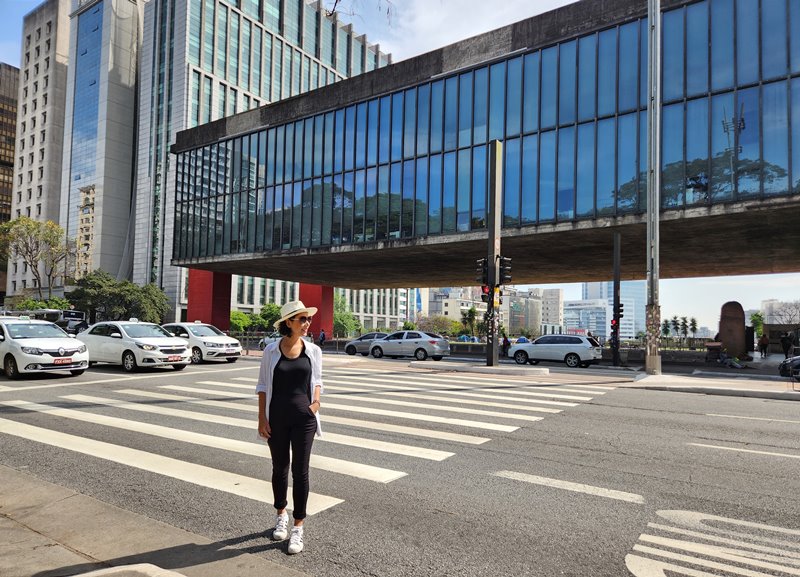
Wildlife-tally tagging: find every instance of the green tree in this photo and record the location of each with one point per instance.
(675, 325)
(665, 328)
(468, 319)
(270, 313)
(757, 321)
(27, 304)
(409, 326)
(101, 295)
(437, 324)
(693, 327)
(684, 327)
(239, 321)
(345, 322)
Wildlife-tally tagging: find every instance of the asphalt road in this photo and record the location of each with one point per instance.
(570, 474)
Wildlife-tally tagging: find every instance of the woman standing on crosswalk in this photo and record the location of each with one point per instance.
(289, 386)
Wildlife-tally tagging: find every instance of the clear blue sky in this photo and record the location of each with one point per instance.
(416, 26)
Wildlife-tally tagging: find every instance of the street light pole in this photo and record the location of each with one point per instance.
(653, 312)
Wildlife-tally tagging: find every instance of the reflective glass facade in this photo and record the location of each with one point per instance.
(573, 120)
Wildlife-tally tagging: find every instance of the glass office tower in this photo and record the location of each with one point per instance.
(206, 59)
(572, 114)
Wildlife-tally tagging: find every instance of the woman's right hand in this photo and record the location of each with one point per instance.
(264, 430)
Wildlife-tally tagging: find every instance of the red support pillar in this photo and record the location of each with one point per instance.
(319, 296)
(209, 298)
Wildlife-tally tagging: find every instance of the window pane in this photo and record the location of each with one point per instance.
(395, 199)
(585, 171)
(359, 205)
(721, 44)
(672, 55)
(530, 100)
(437, 116)
(606, 157)
(361, 135)
(435, 195)
(382, 220)
(479, 188)
(776, 139)
(567, 82)
(697, 151)
(371, 205)
(794, 35)
(607, 73)
(747, 41)
(338, 201)
(465, 109)
(511, 182)
(587, 76)
(449, 193)
(628, 66)
(566, 173)
(397, 126)
(697, 49)
(372, 133)
(530, 178)
(672, 167)
(746, 124)
(773, 38)
(407, 217)
(514, 96)
(338, 142)
(328, 144)
(547, 176)
(463, 192)
(795, 187)
(481, 89)
(549, 87)
(409, 132)
(497, 100)
(385, 129)
(423, 118)
(450, 113)
(721, 148)
(421, 198)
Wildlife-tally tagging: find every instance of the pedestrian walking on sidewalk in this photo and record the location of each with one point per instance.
(763, 345)
(289, 386)
(786, 344)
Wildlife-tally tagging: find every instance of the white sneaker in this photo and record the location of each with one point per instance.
(281, 530)
(296, 540)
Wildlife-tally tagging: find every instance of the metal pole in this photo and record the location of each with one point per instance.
(494, 214)
(653, 313)
(615, 299)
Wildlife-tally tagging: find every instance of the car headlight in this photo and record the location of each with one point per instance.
(31, 350)
(210, 345)
(82, 349)
(147, 347)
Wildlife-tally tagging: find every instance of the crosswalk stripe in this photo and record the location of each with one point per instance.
(459, 387)
(435, 398)
(379, 401)
(240, 485)
(386, 427)
(570, 486)
(362, 443)
(368, 472)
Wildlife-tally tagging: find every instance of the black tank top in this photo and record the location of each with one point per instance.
(291, 379)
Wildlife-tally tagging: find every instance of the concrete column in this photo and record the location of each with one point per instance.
(319, 296)
(209, 298)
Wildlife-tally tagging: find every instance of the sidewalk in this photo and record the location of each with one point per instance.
(50, 531)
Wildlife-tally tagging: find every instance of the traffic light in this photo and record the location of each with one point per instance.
(486, 293)
(620, 310)
(482, 271)
(505, 270)
(614, 328)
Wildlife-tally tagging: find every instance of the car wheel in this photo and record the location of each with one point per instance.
(178, 367)
(377, 352)
(262, 345)
(10, 366)
(77, 372)
(350, 350)
(232, 359)
(129, 362)
(420, 354)
(437, 358)
(572, 360)
(521, 357)
(197, 355)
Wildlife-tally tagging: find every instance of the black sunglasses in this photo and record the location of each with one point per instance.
(303, 319)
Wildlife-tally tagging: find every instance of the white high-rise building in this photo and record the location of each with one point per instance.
(632, 294)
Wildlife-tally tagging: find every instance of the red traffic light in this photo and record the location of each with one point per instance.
(613, 323)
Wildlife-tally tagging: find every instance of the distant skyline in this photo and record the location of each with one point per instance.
(418, 26)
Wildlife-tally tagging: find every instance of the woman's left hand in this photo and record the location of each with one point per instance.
(314, 407)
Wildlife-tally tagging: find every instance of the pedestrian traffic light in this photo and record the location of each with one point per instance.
(614, 328)
(482, 271)
(505, 270)
(486, 293)
(620, 310)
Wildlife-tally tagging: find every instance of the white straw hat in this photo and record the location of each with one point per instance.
(293, 308)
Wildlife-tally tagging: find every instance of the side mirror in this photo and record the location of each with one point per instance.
(184, 335)
(2, 338)
(116, 335)
(70, 335)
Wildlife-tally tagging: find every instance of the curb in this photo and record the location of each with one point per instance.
(752, 393)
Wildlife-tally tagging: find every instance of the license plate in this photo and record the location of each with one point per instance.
(230, 351)
(173, 358)
(62, 361)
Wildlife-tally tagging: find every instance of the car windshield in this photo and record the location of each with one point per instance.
(136, 330)
(34, 331)
(205, 331)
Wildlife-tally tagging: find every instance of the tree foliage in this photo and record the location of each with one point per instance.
(438, 324)
(345, 322)
(103, 297)
(239, 321)
(757, 322)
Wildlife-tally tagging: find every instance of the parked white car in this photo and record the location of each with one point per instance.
(134, 344)
(33, 346)
(206, 342)
(573, 350)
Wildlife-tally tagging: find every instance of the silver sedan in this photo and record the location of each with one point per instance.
(417, 344)
(362, 344)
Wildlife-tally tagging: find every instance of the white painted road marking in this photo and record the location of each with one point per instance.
(368, 472)
(753, 418)
(569, 486)
(768, 453)
(247, 487)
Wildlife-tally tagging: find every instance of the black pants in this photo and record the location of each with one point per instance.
(294, 425)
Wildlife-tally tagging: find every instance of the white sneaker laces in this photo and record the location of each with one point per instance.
(296, 539)
(281, 523)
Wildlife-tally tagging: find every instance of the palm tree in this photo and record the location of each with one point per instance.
(684, 328)
(693, 327)
(675, 324)
(468, 319)
(665, 328)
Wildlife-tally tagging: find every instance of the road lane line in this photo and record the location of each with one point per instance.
(360, 442)
(569, 486)
(350, 468)
(753, 418)
(768, 453)
(782, 547)
(374, 425)
(714, 565)
(247, 487)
